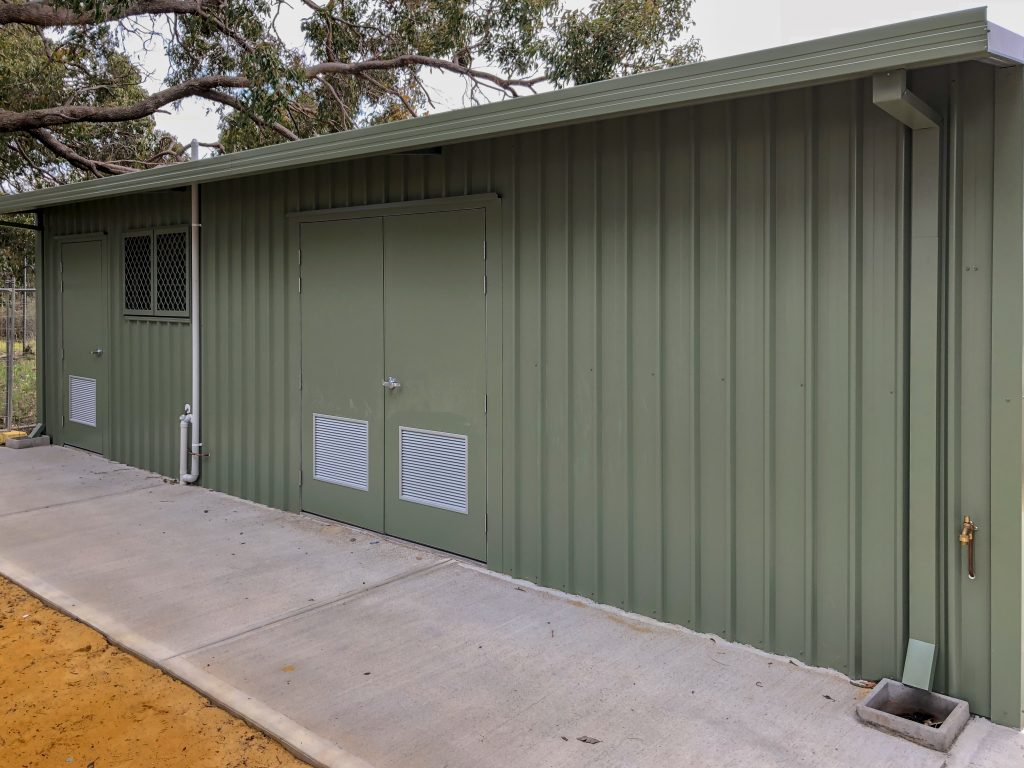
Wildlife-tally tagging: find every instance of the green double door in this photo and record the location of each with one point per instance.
(393, 376)
(84, 336)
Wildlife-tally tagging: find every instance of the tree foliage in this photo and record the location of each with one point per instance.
(361, 62)
(38, 71)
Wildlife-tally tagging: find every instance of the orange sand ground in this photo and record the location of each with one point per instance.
(67, 693)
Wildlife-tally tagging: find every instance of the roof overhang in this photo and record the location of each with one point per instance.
(960, 36)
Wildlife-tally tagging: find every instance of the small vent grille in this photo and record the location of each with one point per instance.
(82, 400)
(433, 469)
(138, 258)
(171, 272)
(341, 451)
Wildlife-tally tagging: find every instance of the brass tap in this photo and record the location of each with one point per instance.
(967, 540)
(967, 532)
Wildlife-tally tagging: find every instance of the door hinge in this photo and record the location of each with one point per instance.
(300, 477)
(485, 403)
(485, 283)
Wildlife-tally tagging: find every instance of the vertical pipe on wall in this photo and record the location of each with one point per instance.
(191, 416)
(925, 319)
(891, 94)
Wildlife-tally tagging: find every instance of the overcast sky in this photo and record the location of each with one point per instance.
(725, 27)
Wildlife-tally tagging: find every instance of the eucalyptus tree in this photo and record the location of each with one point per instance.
(72, 97)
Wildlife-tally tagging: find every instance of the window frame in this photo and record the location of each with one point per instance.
(153, 313)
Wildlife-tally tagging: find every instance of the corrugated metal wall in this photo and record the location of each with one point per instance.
(710, 394)
(705, 401)
(967, 95)
(149, 360)
(707, 406)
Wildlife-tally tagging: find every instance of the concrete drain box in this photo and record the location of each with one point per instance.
(924, 717)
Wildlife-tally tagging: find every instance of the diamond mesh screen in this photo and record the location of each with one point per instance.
(138, 296)
(171, 272)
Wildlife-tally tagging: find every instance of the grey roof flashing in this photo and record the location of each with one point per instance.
(1005, 46)
(959, 36)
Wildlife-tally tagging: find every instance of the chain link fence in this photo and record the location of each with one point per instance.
(18, 407)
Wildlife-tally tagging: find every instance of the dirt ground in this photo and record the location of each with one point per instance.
(68, 698)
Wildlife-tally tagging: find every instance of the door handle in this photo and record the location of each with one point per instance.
(391, 384)
(96, 352)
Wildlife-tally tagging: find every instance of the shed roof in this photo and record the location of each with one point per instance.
(959, 36)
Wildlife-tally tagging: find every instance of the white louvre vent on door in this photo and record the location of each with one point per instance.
(82, 400)
(341, 451)
(433, 469)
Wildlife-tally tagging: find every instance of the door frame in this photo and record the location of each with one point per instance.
(494, 362)
(59, 241)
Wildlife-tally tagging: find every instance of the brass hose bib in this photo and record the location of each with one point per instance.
(967, 540)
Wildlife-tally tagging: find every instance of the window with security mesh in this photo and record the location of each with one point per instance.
(138, 277)
(156, 273)
(171, 273)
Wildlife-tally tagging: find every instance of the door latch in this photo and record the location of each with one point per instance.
(967, 540)
(391, 383)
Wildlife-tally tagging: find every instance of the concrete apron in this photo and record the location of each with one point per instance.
(355, 650)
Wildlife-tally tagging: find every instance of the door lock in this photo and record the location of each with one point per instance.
(96, 352)
(967, 539)
(391, 383)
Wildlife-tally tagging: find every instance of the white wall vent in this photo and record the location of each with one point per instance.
(341, 451)
(82, 400)
(434, 469)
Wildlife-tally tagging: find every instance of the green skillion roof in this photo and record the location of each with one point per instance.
(959, 36)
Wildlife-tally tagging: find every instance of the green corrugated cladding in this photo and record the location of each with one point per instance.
(150, 378)
(706, 359)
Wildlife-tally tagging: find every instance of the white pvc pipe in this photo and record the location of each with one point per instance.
(191, 415)
(185, 419)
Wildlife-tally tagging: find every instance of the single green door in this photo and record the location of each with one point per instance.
(342, 366)
(434, 375)
(84, 329)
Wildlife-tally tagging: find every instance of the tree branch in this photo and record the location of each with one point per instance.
(409, 60)
(54, 116)
(230, 101)
(95, 167)
(41, 13)
(208, 86)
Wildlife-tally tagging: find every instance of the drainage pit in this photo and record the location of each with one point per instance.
(924, 717)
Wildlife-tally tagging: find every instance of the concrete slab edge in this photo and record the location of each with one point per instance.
(287, 616)
(645, 620)
(299, 741)
(146, 485)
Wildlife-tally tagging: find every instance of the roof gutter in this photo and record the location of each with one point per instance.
(959, 36)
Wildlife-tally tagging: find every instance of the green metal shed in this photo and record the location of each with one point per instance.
(736, 345)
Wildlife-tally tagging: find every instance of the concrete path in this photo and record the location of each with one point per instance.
(355, 650)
